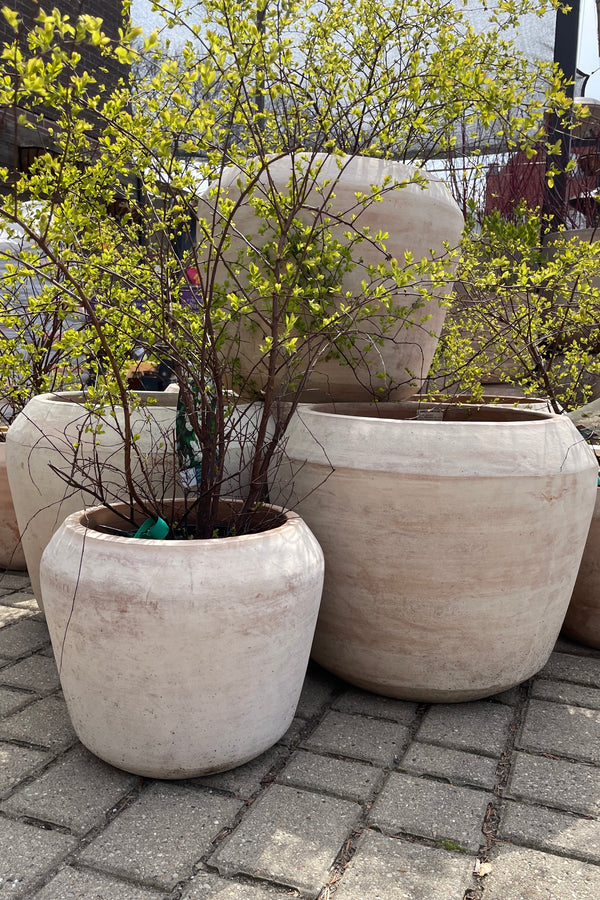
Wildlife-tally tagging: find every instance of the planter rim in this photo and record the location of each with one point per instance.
(508, 441)
(71, 398)
(337, 411)
(75, 523)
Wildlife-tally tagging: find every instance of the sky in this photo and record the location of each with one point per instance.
(588, 57)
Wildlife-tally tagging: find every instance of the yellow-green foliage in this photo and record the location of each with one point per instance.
(104, 211)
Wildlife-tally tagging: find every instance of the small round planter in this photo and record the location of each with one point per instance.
(390, 361)
(11, 551)
(44, 434)
(582, 622)
(181, 658)
(451, 542)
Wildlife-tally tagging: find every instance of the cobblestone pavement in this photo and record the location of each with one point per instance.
(365, 798)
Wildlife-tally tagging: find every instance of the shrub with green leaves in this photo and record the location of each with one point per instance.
(525, 312)
(123, 212)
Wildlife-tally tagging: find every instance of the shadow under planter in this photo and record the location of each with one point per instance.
(451, 541)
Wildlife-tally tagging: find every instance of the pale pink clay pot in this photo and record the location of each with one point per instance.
(451, 547)
(181, 658)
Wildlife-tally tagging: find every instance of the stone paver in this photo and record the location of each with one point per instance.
(10, 614)
(289, 836)
(359, 737)
(159, 838)
(562, 730)
(386, 868)
(511, 697)
(455, 765)
(366, 704)
(14, 581)
(555, 782)
(246, 780)
(431, 809)
(16, 763)
(45, 722)
(352, 780)
(206, 886)
(27, 854)
(76, 792)
(78, 884)
(36, 673)
(318, 689)
(318, 815)
(24, 599)
(566, 667)
(566, 645)
(522, 874)
(11, 700)
(566, 692)
(548, 829)
(294, 732)
(22, 638)
(478, 727)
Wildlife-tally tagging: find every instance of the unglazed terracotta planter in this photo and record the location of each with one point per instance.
(582, 622)
(451, 545)
(388, 361)
(11, 551)
(181, 658)
(44, 433)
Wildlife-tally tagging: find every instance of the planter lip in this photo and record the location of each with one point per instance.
(71, 398)
(336, 411)
(75, 524)
(509, 442)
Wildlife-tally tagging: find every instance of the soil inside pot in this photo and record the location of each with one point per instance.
(109, 521)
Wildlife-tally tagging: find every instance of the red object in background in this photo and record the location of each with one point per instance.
(193, 275)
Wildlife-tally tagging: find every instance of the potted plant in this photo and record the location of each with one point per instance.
(190, 149)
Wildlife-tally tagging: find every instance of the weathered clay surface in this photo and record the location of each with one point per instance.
(583, 616)
(387, 360)
(451, 546)
(11, 551)
(181, 658)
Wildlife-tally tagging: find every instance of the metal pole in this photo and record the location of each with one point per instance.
(566, 37)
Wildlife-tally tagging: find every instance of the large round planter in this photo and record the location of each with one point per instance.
(181, 658)
(582, 622)
(451, 545)
(388, 361)
(11, 551)
(44, 434)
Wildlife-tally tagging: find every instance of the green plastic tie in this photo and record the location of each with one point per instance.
(157, 529)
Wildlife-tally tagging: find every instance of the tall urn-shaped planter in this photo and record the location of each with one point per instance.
(352, 200)
(451, 546)
(182, 657)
